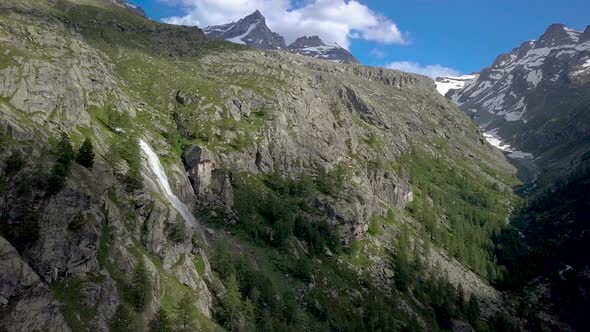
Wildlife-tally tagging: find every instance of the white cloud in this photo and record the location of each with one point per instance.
(333, 20)
(433, 71)
(379, 54)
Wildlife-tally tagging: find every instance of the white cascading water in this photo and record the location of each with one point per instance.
(162, 182)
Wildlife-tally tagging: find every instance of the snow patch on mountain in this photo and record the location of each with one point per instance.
(502, 90)
(494, 139)
(534, 77)
(240, 39)
(446, 83)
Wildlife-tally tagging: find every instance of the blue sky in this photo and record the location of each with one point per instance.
(462, 35)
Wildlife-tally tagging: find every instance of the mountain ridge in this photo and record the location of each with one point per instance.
(253, 31)
(506, 95)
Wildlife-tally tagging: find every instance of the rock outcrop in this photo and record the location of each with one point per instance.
(25, 301)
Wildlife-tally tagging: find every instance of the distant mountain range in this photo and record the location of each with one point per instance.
(537, 96)
(253, 31)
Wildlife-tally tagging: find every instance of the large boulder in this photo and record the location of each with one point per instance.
(211, 184)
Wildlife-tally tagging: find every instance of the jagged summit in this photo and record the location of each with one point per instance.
(558, 35)
(315, 47)
(253, 31)
(585, 36)
(256, 15)
(250, 30)
(307, 41)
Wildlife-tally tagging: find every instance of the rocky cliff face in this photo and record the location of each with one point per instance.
(217, 116)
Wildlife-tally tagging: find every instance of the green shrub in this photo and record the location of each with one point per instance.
(179, 232)
(133, 180)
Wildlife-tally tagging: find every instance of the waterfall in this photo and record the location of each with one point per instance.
(162, 182)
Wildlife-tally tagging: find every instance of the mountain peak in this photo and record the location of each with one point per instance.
(559, 34)
(255, 15)
(253, 31)
(250, 30)
(306, 41)
(585, 36)
(315, 47)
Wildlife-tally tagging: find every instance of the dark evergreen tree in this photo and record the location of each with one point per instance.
(160, 323)
(141, 287)
(472, 311)
(460, 298)
(121, 321)
(86, 154)
(65, 150)
(232, 305)
(14, 163)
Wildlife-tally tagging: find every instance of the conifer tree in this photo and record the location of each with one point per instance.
(141, 287)
(472, 310)
(122, 319)
(160, 323)
(65, 151)
(86, 154)
(232, 305)
(184, 311)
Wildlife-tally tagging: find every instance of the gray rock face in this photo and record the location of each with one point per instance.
(199, 163)
(585, 36)
(211, 184)
(26, 302)
(54, 80)
(527, 89)
(315, 47)
(250, 30)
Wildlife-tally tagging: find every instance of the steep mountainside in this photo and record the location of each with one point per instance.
(536, 98)
(148, 173)
(131, 7)
(253, 31)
